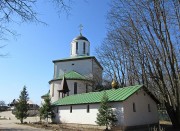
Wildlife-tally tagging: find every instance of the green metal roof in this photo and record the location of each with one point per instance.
(46, 95)
(119, 94)
(73, 75)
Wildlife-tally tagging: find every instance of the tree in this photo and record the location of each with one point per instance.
(105, 116)
(46, 110)
(142, 47)
(21, 108)
(19, 11)
(2, 103)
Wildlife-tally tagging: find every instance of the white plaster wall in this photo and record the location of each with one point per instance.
(83, 67)
(81, 88)
(97, 72)
(80, 48)
(79, 113)
(54, 92)
(119, 111)
(141, 116)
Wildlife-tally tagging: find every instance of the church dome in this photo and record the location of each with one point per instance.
(80, 46)
(80, 37)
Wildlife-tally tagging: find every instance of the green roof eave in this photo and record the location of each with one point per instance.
(114, 95)
(72, 75)
(68, 79)
(46, 95)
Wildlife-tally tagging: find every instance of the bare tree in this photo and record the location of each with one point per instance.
(2, 103)
(144, 38)
(18, 11)
(23, 11)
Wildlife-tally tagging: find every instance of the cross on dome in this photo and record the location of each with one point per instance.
(80, 28)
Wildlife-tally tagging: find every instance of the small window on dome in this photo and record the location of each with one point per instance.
(84, 47)
(76, 47)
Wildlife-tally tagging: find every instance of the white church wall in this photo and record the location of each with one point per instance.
(81, 86)
(80, 115)
(141, 116)
(56, 85)
(83, 67)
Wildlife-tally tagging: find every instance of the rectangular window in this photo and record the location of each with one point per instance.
(84, 47)
(134, 107)
(88, 109)
(75, 87)
(149, 108)
(70, 109)
(58, 94)
(63, 95)
(57, 110)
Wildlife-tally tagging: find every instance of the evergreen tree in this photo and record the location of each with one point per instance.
(105, 117)
(46, 110)
(22, 106)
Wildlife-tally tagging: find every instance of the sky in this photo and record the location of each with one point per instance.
(31, 52)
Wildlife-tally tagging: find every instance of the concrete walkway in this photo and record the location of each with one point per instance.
(10, 123)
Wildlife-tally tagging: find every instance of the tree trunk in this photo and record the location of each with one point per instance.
(173, 116)
(21, 121)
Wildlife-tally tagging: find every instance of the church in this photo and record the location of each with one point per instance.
(72, 86)
(77, 74)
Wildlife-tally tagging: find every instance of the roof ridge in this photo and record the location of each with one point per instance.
(74, 71)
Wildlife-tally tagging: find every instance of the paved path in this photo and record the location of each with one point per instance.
(10, 125)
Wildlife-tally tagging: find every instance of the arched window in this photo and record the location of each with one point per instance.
(134, 107)
(86, 88)
(76, 47)
(149, 108)
(75, 87)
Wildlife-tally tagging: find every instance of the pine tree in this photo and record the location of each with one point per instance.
(46, 110)
(22, 106)
(105, 117)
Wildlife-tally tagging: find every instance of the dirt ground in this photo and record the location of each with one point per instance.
(8, 122)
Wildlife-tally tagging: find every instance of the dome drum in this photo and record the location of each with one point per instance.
(80, 46)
